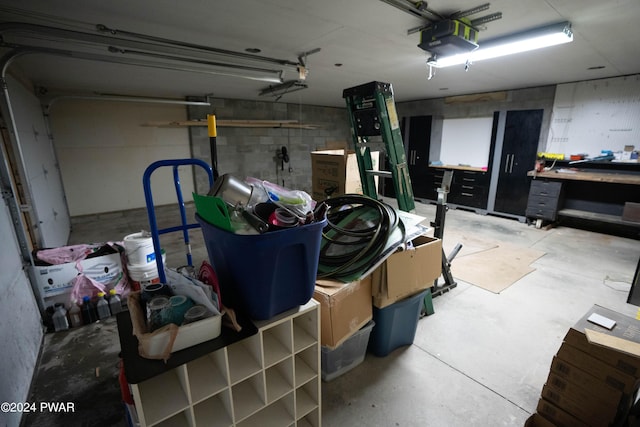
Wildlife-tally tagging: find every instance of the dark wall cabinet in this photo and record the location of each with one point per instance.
(416, 135)
(519, 147)
(474, 188)
(418, 142)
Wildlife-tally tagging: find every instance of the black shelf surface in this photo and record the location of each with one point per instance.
(138, 369)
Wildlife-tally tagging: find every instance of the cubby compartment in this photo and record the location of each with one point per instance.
(248, 396)
(306, 365)
(207, 375)
(307, 398)
(305, 330)
(181, 419)
(277, 343)
(312, 419)
(162, 396)
(279, 379)
(278, 414)
(245, 358)
(215, 411)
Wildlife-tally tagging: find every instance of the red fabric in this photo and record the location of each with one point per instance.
(124, 385)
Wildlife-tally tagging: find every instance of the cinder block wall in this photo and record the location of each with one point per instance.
(253, 152)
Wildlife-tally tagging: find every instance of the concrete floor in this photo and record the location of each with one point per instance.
(480, 360)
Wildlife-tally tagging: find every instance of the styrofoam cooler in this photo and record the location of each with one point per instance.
(264, 274)
(347, 355)
(395, 325)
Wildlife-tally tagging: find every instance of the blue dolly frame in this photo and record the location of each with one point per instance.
(153, 224)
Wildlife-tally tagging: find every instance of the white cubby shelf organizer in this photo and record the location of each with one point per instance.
(270, 378)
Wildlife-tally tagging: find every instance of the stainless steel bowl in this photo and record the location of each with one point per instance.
(232, 190)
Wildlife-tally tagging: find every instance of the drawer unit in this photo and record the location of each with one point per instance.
(544, 200)
(469, 188)
(473, 196)
(469, 177)
(545, 188)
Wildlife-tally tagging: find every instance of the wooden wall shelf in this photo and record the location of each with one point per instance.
(286, 124)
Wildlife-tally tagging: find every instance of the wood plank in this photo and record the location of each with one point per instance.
(289, 124)
(607, 177)
(457, 167)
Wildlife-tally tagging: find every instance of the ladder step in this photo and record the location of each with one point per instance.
(384, 174)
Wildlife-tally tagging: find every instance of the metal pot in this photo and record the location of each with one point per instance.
(232, 190)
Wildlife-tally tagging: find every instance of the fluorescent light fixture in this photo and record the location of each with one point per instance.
(218, 68)
(537, 38)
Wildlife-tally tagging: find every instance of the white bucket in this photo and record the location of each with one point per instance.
(144, 274)
(138, 248)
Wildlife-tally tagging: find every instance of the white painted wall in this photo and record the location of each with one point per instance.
(595, 115)
(104, 148)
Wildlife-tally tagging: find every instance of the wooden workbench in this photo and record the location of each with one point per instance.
(596, 192)
(582, 175)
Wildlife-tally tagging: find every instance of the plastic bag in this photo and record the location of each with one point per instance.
(83, 286)
(297, 202)
(192, 288)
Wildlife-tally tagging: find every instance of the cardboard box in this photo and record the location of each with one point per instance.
(344, 309)
(599, 369)
(585, 381)
(336, 172)
(626, 328)
(537, 420)
(558, 416)
(578, 401)
(56, 280)
(407, 272)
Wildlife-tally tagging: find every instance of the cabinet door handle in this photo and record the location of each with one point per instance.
(506, 164)
(468, 187)
(513, 156)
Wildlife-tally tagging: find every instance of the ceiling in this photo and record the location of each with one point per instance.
(368, 37)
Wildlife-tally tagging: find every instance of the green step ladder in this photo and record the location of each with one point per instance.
(372, 113)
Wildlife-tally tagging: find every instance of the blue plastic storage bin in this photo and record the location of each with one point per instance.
(347, 355)
(264, 274)
(395, 325)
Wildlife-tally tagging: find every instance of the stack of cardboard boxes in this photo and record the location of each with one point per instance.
(348, 307)
(594, 377)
